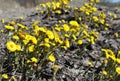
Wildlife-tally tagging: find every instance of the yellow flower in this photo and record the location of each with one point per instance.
(34, 40)
(66, 28)
(9, 27)
(28, 61)
(57, 28)
(46, 40)
(114, 16)
(80, 42)
(15, 37)
(67, 43)
(118, 70)
(116, 35)
(92, 40)
(3, 21)
(107, 55)
(113, 58)
(102, 21)
(118, 52)
(57, 39)
(42, 29)
(12, 23)
(33, 59)
(47, 45)
(20, 25)
(104, 72)
(82, 8)
(87, 13)
(18, 48)
(74, 23)
(50, 34)
(110, 52)
(5, 76)
(64, 1)
(95, 18)
(58, 11)
(25, 41)
(118, 60)
(90, 63)
(74, 37)
(94, 9)
(31, 48)
(51, 58)
(66, 35)
(37, 9)
(11, 46)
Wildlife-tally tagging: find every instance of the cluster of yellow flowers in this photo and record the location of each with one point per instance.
(35, 45)
(114, 61)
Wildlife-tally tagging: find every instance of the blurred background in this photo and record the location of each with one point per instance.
(12, 5)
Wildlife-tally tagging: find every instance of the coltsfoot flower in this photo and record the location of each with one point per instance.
(104, 72)
(5, 76)
(11, 46)
(51, 58)
(118, 70)
(33, 59)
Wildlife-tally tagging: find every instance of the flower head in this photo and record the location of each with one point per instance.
(33, 59)
(51, 58)
(118, 70)
(11, 46)
(5, 76)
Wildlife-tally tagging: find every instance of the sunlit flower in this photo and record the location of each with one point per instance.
(46, 40)
(33, 59)
(104, 72)
(95, 18)
(31, 48)
(9, 27)
(116, 35)
(74, 23)
(11, 46)
(5, 76)
(90, 63)
(66, 28)
(18, 47)
(20, 25)
(57, 39)
(34, 40)
(64, 1)
(118, 70)
(50, 34)
(3, 21)
(67, 43)
(15, 37)
(74, 37)
(12, 23)
(80, 42)
(28, 61)
(115, 16)
(51, 58)
(58, 12)
(118, 60)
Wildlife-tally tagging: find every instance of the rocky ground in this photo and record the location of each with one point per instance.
(73, 64)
